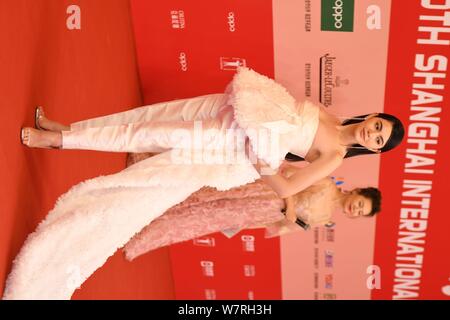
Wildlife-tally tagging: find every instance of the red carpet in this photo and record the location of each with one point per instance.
(74, 74)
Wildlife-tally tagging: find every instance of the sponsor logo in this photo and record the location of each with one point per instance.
(73, 22)
(207, 268)
(328, 259)
(328, 281)
(330, 225)
(337, 15)
(210, 294)
(316, 280)
(308, 79)
(231, 22)
(328, 81)
(178, 20)
(373, 21)
(339, 82)
(338, 180)
(249, 270)
(329, 296)
(330, 234)
(248, 243)
(183, 61)
(204, 242)
(227, 63)
(374, 279)
(307, 15)
(316, 258)
(316, 235)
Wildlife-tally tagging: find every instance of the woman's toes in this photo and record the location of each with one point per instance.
(24, 136)
(28, 140)
(35, 138)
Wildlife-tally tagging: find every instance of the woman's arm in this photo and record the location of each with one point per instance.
(292, 164)
(303, 178)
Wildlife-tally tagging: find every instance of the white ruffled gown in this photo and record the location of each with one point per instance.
(100, 215)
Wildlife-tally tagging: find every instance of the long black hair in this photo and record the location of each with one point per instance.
(398, 131)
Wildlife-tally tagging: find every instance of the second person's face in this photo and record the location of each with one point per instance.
(357, 205)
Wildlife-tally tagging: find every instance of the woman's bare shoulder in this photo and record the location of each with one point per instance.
(326, 144)
(325, 115)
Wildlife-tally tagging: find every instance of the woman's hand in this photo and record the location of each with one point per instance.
(291, 215)
(285, 167)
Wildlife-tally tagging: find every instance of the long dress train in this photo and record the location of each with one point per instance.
(98, 216)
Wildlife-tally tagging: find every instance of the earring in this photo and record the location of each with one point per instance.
(352, 118)
(355, 147)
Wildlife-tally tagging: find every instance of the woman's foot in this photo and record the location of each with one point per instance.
(42, 122)
(34, 138)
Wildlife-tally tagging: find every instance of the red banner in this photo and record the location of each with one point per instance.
(412, 237)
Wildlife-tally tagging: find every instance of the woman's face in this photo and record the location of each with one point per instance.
(357, 205)
(373, 133)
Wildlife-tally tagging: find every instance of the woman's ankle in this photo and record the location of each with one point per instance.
(57, 139)
(55, 126)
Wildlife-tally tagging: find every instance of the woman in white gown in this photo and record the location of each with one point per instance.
(98, 216)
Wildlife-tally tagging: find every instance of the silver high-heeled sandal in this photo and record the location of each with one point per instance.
(38, 113)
